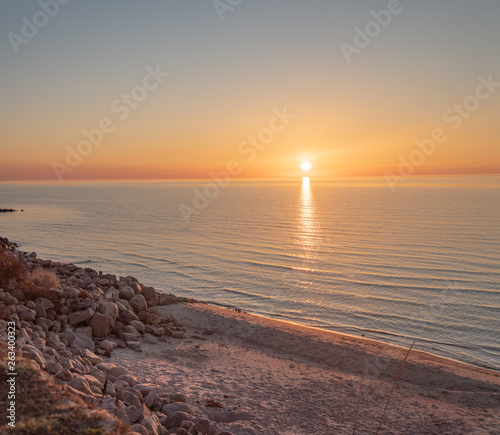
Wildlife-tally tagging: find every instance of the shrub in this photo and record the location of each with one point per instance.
(11, 268)
(45, 279)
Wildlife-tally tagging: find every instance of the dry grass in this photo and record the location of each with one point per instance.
(43, 407)
(45, 279)
(11, 268)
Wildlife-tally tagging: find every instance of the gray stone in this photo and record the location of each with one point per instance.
(33, 353)
(139, 429)
(106, 345)
(53, 367)
(80, 316)
(116, 371)
(127, 293)
(92, 357)
(44, 302)
(79, 383)
(81, 341)
(107, 367)
(151, 296)
(109, 309)
(130, 380)
(175, 419)
(128, 397)
(170, 408)
(145, 389)
(138, 326)
(166, 299)
(102, 325)
(138, 303)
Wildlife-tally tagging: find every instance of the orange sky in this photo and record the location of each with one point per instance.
(231, 83)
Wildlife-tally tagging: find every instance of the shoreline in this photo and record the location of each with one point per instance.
(213, 370)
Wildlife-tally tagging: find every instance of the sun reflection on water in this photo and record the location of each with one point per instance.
(308, 226)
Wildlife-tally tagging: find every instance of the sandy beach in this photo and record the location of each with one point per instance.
(273, 377)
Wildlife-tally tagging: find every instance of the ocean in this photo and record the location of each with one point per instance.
(421, 263)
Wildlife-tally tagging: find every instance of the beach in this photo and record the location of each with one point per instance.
(163, 364)
(278, 378)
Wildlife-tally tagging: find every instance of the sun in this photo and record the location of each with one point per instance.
(305, 166)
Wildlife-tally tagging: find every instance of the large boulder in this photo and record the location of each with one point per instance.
(151, 296)
(80, 316)
(127, 293)
(102, 325)
(110, 309)
(138, 303)
(81, 341)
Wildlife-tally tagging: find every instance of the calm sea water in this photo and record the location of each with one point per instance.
(421, 263)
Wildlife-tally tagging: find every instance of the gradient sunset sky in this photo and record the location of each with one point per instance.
(231, 70)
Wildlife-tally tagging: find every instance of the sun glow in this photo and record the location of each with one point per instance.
(305, 166)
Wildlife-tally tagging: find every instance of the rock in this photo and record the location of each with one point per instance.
(127, 293)
(81, 341)
(80, 316)
(127, 336)
(53, 367)
(18, 294)
(92, 357)
(130, 380)
(153, 319)
(44, 302)
(102, 325)
(138, 303)
(79, 383)
(176, 398)
(150, 295)
(92, 381)
(106, 345)
(134, 344)
(139, 326)
(166, 299)
(128, 397)
(64, 375)
(174, 420)
(151, 398)
(178, 334)
(129, 329)
(159, 332)
(72, 292)
(116, 371)
(33, 353)
(85, 330)
(27, 315)
(136, 287)
(40, 311)
(178, 431)
(139, 429)
(107, 367)
(127, 316)
(148, 338)
(145, 389)
(151, 424)
(170, 408)
(109, 309)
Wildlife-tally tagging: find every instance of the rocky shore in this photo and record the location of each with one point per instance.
(73, 329)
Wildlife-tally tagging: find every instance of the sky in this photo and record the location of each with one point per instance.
(122, 89)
